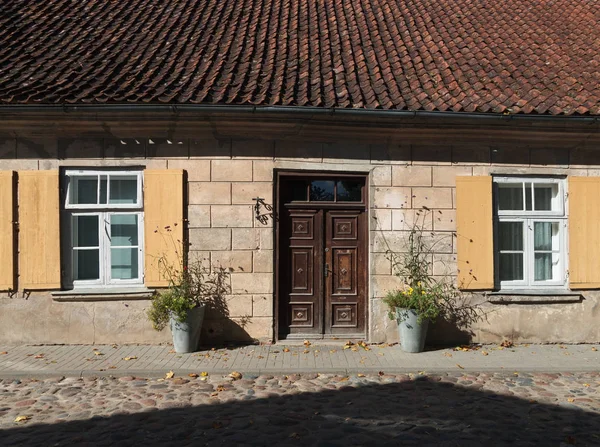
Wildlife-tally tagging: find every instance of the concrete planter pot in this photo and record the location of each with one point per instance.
(412, 332)
(186, 335)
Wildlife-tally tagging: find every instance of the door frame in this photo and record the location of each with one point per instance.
(364, 206)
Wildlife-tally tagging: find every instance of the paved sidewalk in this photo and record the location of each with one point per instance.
(154, 361)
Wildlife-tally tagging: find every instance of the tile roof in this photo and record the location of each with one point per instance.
(510, 56)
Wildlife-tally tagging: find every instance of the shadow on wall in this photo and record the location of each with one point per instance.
(464, 151)
(423, 411)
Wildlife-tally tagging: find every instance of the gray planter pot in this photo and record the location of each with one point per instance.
(186, 335)
(412, 333)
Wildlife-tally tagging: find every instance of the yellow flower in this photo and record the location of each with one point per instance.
(422, 292)
(410, 290)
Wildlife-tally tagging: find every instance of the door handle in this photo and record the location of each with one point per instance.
(326, 269)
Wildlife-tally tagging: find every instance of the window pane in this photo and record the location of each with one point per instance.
(85, 231)
(510, 236)
(511, 266)
(124, 263)
(545, 235)
(546, 266)
(510, 196)
(103, 189)
(544, 195)
(83, 190)
(349, 191)
(528, 196)
(298, 190)
(123, 230)
(123, 190)
(86, 264)
(321, 190)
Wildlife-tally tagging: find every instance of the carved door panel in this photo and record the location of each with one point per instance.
(302, 272)
(345, 276)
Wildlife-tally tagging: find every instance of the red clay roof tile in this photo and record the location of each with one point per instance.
(520, 56)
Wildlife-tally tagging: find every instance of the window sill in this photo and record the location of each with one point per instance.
(103, 294)
(533, 297)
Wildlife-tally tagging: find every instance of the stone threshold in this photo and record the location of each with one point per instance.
(103, 294)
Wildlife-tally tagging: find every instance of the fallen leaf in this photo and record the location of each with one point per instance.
(169, 375)
(3, 353)
(39, 356)
(277, 352)
(354, 348)
(360, 375)
(235, 375)
(344, 379)
(193, 375)
(204, 374)
(133, 357)
(381, 373)
(381, 354)
(220, 388)
(306, 351)
(447, 354)
(22, 418)
(317, 351)
(461, 367)
(98, 353)
(587, 385)
(286, 349)
(570, 399)
(347, 347)
(593, 349)
(484, 353)
(333, 350)
(306, 343)
(172, 351)
(112, 367)
(507, 344)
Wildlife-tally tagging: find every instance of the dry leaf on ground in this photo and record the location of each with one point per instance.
(484, 353)
(507, 344)
(22, 418)
(98, 353)
(39, 356)
(193, 375)
(286, 349)
(460, 366)
(133, 357)
(593, 349)
(204, 374)
(169, 375)
(360, 375)
(307, 343)
(3, 353)
(235, 375)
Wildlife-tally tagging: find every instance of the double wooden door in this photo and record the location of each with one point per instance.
(323, 272)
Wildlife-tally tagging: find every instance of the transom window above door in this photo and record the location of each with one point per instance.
(103, 228)
(531, 225)
(325, 189)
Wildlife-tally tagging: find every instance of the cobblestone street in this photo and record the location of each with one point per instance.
(458, 408)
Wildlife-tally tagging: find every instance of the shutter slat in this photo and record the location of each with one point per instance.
(584, 232)
(7, 231)
(475, 233)
(163, 207)
(39, 230)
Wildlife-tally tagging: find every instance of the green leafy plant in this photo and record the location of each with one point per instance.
(190, 284)
(430, 296)
(421, 292)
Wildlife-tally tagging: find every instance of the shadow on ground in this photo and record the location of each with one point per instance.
(424, 411)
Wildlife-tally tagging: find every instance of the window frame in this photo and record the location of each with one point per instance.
(104, 212)
(529, 218)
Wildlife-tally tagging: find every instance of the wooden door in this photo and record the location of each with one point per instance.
(345, 275)
(300, 277)
(322, 264)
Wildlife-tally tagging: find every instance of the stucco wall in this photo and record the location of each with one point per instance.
(224, 174)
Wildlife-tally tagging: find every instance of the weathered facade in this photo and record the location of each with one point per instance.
(295, 143)
(230, 160)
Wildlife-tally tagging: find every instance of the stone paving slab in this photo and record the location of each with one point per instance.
(154, 361)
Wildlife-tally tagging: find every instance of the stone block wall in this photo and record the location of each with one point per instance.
(223, 177)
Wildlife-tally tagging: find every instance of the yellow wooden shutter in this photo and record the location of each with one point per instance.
(584, 232)
(39, 230)
(475, 234)
(163, 228)
(7, 231)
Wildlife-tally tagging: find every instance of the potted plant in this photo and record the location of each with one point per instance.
(193, 287)
(422, 298)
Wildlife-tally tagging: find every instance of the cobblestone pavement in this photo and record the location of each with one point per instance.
(450, 409)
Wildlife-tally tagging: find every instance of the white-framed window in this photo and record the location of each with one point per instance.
(103, 221)
(531, 232)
